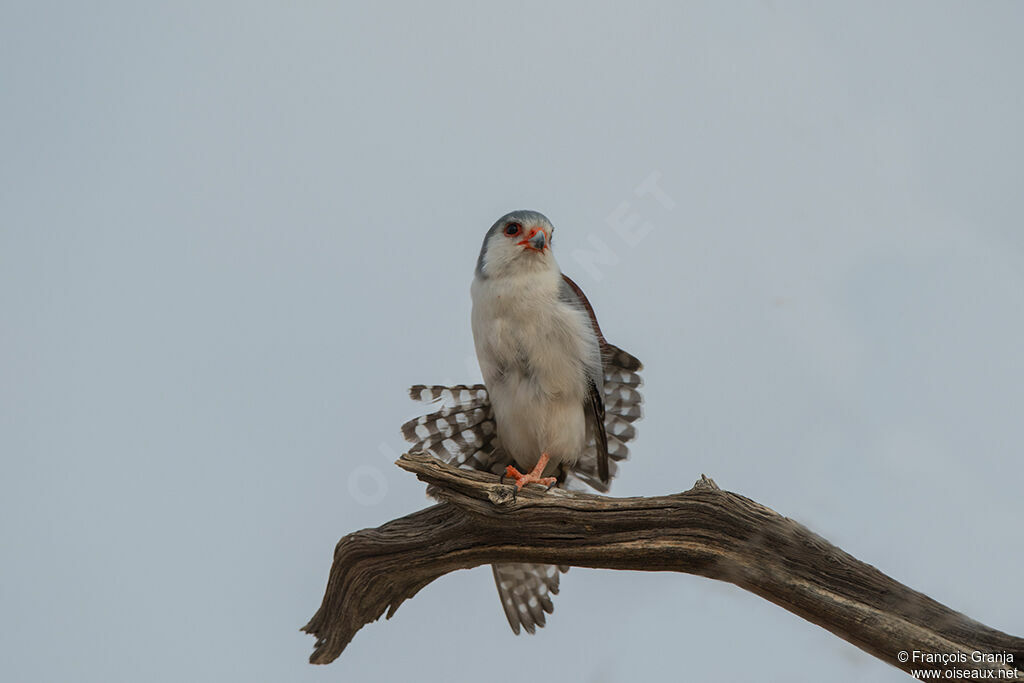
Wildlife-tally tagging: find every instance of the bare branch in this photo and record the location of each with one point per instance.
(704, 531)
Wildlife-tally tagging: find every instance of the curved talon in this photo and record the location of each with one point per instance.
(533, 476)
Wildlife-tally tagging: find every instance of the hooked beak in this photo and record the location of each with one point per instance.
(537, 240)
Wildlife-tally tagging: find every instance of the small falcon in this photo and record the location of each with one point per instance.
(558, 401)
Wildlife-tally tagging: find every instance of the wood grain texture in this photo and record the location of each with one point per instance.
(703, 531)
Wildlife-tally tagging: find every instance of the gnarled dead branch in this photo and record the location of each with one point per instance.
(704, 531)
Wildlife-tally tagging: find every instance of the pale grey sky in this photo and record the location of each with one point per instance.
(232, 234)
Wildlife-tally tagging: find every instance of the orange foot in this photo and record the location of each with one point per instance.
(533, 476)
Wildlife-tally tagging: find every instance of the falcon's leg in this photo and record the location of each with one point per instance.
(533, 476)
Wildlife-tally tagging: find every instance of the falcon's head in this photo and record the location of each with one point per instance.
(518, 242)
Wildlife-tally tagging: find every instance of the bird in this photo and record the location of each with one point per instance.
(558, 401)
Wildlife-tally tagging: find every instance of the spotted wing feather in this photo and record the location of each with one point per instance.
(463, 432)
(622, 407)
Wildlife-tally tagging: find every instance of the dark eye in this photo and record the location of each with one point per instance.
(513, 229)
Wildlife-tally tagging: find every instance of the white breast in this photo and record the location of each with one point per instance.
(534, 350)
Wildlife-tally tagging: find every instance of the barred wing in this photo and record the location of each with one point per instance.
(623, 405)
(462, 432)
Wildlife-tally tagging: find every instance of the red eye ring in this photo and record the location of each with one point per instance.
(513, 229)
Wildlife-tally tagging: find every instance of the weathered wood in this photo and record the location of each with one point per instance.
(704, 531)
